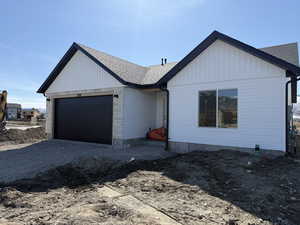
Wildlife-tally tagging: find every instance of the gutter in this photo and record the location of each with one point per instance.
(167, 126)
(287, 152)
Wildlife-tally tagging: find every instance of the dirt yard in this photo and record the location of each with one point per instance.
(224, 187)
(18, 136)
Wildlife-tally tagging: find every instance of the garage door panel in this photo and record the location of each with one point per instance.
(86, 119)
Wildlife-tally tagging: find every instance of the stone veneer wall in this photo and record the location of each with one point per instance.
(118, 112)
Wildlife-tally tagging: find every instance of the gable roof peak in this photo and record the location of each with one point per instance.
(132, 74)
(295, 70)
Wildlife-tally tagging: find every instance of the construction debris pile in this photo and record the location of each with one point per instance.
(23, 136)
(225, 187)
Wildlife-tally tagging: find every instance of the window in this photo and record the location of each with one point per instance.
(207, 108)
(227, 108)
(218, 108)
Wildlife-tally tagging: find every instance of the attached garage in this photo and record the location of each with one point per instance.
(87, 119)
(246, 85)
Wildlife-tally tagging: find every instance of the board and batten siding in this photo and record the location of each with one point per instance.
(261, 99)
(81, 73)
(160, 109)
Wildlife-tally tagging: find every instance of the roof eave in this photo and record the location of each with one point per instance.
(293, 70)
(66, 58)
(61, 64)
(217, 35)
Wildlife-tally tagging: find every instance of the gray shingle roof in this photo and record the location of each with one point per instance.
(287, 52)
(155, 72)
(137, 74)
(283, 56)
(128, 71)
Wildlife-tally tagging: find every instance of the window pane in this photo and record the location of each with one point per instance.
(227, 108)
(207, 108)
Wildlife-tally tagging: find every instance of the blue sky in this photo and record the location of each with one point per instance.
(35, 34)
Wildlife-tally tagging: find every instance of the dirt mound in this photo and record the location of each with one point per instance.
(77, 174)
(23, 136)
(67, 194)
(224, 187)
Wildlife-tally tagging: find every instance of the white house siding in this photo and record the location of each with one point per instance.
(160, 109)
(81, 73)
(81, 76)
(261, 99)
(139, 113)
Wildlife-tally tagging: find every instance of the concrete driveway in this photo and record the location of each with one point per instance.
(26, 161)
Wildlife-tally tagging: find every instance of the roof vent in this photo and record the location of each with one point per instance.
(162, 61)
(165, 60)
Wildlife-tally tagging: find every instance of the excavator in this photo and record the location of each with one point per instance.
(3, 103)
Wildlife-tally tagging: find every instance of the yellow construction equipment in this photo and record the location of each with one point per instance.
(3, 103)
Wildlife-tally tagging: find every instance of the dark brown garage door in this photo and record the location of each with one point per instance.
(86, 119)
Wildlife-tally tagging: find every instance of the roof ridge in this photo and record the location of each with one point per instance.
(246, 48)
(135, 75)
(163, 65)
(215, 35)
(272, 46)
(116, 57)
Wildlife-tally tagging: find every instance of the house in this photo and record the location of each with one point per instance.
(29, 114)
(14, 111)
(224, 93)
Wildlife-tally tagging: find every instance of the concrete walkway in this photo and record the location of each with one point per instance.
(26, 161)
(129, 201)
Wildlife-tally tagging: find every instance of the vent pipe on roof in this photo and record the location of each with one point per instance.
(162, 61)
(165, 60)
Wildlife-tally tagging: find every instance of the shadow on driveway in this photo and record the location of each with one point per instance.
(26, 162)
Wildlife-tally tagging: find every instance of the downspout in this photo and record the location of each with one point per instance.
(167, 125)
(287, 119)
(288, 153)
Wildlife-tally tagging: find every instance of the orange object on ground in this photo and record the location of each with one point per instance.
(157, 134)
